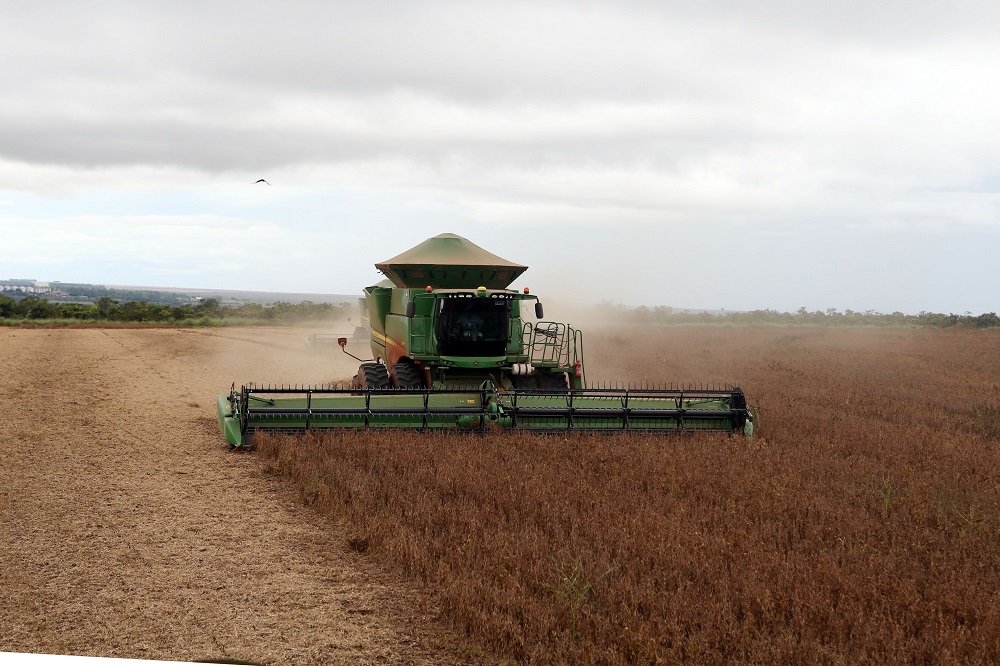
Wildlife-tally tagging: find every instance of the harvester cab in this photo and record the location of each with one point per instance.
(452, 346)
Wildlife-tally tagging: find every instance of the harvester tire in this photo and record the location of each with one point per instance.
(372, 376)
(553, 381)
(407, 376)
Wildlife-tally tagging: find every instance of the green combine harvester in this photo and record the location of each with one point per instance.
(452, 349)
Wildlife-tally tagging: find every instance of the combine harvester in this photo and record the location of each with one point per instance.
(452, 349)
(321, 341)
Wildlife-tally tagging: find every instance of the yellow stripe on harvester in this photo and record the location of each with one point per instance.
(387, 340)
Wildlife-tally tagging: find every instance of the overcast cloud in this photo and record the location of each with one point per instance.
(722, 154)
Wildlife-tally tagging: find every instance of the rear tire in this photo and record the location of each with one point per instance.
(408, 376)
(372, 376)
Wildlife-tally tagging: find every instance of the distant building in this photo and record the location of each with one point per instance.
(28, 287)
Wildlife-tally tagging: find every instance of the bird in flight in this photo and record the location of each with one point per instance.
(261, 181)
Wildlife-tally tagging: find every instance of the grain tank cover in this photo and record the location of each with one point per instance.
(450, 262)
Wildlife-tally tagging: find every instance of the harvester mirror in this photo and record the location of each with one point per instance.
(539, 313)
(342, 342)
(411, 307)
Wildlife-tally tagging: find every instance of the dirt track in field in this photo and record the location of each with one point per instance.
(129, 530)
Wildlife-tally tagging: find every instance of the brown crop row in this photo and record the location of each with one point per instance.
(863, 525)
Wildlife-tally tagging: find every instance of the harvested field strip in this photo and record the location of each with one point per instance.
(863, 527)
(129, 530)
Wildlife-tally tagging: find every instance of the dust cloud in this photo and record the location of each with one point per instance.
(285, 356)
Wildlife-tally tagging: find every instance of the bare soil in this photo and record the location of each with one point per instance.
(129, 530)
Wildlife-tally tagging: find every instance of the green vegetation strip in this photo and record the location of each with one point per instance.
(205, 313)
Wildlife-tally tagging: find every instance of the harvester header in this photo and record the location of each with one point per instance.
(453, 347)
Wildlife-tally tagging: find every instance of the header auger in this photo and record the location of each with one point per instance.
(451, 350)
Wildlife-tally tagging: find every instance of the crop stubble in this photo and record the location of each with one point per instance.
(129, 530)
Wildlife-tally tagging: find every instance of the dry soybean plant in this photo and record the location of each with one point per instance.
(861, 525)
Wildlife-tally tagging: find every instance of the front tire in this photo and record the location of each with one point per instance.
(371, 376)
(408, 376)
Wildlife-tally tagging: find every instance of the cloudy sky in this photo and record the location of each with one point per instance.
(773, 154)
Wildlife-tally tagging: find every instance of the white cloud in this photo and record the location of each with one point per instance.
(750, 129)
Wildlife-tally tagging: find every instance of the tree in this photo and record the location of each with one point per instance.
(107, 308)
(76, 311)
(7, 305)
(33, 307)
(988, 320)
(210, 308)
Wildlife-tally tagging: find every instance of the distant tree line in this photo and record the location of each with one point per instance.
(829, 317)
(72, 292)
(107, 309)
(95, 292)
(209, 310)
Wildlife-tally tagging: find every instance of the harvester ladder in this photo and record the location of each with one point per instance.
(551, 343)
